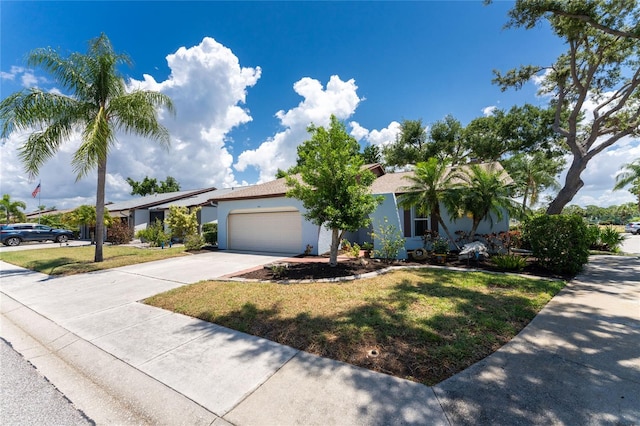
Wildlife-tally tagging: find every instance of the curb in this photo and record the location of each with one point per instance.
(99, 384)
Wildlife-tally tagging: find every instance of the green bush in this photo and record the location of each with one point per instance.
(593, 236)
(560, 242)
(509, 262)
(390, 241)
(210, 233)
(155, 234)
(119, 233)
(193, 242)
(611, 238)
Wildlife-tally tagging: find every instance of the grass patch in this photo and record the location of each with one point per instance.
(78, 260)
(425, 325)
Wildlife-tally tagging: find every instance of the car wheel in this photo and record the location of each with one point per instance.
(62, 239)
(12, 241)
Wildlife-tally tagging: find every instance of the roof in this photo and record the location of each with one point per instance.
(274, 188)
(397, 183)
(278, 187)
(390, 183)
(196, 200)
(154, 200)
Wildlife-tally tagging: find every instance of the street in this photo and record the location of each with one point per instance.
(27, 398)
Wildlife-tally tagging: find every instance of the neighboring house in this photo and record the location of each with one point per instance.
(261, 218)
(208, 212)
(140, 212)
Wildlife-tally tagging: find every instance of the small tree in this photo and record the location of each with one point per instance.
(182, 222)
(333, 188)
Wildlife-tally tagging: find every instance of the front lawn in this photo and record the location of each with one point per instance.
(419, 324)
(78, 260)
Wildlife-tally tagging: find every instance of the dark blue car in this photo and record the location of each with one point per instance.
(16, 233)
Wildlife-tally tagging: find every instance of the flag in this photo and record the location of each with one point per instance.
(36, 191)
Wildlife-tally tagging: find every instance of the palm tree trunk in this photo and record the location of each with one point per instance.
(102, 174)
(446, 230)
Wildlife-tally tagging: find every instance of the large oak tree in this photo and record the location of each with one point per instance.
(596, 81)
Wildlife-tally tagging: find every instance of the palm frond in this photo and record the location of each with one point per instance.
(137, 112)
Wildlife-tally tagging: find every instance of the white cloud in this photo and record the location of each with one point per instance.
(280, 151)
(487, 111)
(382, 137)
(208, 87)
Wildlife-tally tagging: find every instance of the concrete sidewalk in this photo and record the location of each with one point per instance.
(578, 362)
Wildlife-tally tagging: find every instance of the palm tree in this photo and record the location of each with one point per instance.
(486, 192)
(98, 105)
(12, 208)
(433, 184)
(630, 176)
(533, 173)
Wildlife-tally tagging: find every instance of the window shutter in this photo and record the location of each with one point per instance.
(407, 223)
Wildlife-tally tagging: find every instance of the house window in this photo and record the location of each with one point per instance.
(420, 225)
(415, 224)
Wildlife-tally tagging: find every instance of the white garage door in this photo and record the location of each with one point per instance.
(273, 231)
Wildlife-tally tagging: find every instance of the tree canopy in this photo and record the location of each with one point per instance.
(150, 186)
(595, 82)
(97, 104)
(489, 138)
(332, 185)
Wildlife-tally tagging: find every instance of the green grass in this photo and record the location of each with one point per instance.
(425, 324)
(78, 260)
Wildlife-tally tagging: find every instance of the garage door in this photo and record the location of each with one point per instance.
(272, 231)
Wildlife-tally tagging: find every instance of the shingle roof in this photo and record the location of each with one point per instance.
(391, 183)
(197, 200)
(153, 200)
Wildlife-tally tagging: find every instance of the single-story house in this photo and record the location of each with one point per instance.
(261, 218)
(141, 211)
(208, 212)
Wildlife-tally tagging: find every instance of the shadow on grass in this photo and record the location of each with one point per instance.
(574, 364)
(402, 334)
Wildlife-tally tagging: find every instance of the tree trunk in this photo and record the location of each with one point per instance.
(446, 230)
(572, 185)
(335, 245)
(102, 174)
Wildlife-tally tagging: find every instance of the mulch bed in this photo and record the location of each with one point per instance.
(350, 267)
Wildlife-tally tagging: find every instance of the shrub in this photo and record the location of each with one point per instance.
(391, 241)
(193, 242)
(210, 233)
(352, 250)
(182, 222)
(509, 262)
(155, 234)
(593, 236)
(611, 239)
(119, 233)
(560, 242)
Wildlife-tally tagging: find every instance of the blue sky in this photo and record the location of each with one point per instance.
(248, 77)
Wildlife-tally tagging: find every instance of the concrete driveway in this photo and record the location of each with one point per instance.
(204, 266)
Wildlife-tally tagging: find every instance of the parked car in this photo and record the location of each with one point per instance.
(16, 233)
(633, 227)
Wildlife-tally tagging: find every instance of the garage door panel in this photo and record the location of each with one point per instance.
(276, 232)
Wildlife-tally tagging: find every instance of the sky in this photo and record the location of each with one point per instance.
(247, 79)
